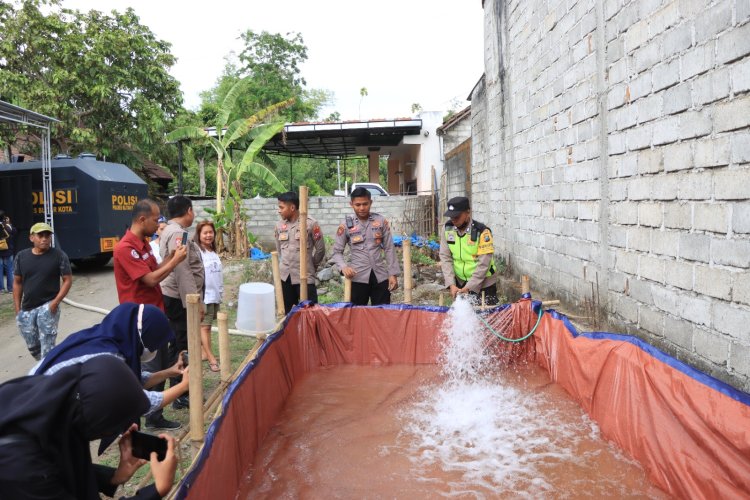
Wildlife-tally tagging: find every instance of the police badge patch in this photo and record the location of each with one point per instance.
(485, 243)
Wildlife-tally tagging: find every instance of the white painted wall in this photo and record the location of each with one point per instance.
(430, 150)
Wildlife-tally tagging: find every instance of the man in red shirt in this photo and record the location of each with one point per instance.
(137, 277)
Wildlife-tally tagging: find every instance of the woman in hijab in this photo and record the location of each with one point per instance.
(131, 332)
(47, 423)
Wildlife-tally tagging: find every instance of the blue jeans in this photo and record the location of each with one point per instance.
(7, 268)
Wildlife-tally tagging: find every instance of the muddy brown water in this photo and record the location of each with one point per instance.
(410, 432)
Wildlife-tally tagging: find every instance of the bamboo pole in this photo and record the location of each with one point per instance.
(212, 402)
(347, 289)
(280, 311)
(525, 284)
(224, 354)
(407, 271)
(196, 374)
(302, 243)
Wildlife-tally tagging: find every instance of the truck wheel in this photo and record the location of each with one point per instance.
(91, 263)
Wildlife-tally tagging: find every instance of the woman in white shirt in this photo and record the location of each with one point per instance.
(155, 239)
(205, 235)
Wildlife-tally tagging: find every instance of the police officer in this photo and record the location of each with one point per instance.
(373, 267)
(287, 238)
(467, 253)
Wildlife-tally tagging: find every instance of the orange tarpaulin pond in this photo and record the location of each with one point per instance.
(690, 432)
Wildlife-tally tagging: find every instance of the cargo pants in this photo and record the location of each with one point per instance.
(38, 328)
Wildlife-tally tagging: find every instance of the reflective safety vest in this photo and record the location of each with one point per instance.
(465, 249)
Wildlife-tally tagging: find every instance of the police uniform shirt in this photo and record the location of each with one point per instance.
(287, 236)
(478, 280)
(188, 276)
(371, 248)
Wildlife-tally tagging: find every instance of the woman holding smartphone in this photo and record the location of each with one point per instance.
(48, 422)
(205, 237)
(131, 332)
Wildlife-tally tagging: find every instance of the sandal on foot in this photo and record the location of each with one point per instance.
(214, 367)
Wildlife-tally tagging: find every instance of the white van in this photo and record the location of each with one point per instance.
(373, 188)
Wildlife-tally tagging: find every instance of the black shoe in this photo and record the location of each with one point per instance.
(161, 423)
(181, 403)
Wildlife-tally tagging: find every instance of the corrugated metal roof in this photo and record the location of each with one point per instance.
(341, 139)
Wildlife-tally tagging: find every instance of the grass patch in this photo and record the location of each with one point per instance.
(7, 309)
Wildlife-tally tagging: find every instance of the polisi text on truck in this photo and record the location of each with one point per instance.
(123, 202)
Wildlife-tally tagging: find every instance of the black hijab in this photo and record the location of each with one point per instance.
(118, 333)
(62, 413)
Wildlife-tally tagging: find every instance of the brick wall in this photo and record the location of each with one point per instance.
(612, 145)
(457, 167)
(329, 211)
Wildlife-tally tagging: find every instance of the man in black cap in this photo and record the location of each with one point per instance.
(467, 254)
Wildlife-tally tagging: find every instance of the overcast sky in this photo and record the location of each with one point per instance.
(403, 51)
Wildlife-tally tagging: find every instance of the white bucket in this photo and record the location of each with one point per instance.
(256, 307)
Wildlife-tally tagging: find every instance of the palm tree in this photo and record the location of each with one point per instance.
(229, 173)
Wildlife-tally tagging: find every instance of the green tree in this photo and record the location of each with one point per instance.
(222, 138)
(105, 76)
(333, 117)
(270, 63)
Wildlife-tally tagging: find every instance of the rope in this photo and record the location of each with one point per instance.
(496, 334)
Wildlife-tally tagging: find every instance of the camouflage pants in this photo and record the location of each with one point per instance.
(38, 328)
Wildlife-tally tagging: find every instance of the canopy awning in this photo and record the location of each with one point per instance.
(342, 139)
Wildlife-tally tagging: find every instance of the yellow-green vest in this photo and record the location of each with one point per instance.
(464, 250)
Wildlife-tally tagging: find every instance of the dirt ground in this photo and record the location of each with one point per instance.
(94, 288)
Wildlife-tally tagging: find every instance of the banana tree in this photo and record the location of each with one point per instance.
(229, 173)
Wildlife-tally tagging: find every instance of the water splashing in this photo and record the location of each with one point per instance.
(463, 354)
(498, 428)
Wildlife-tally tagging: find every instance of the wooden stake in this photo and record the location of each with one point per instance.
(441, 299)
(224, 354)
(196, 372)
(407, 271)
(347, 289)
(302, 243)
(213, 401)
(280, 311)
(525, 284)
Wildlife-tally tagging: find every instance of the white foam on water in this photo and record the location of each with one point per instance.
(496, 435)
(463, 355)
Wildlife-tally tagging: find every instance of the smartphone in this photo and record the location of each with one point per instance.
(184, 238)
(144, 444)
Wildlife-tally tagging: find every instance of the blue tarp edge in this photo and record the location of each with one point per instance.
(697, 375)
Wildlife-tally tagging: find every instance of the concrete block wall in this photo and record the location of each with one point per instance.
(615, 151)
(329, 211)
(456, 164)
(457, 134)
